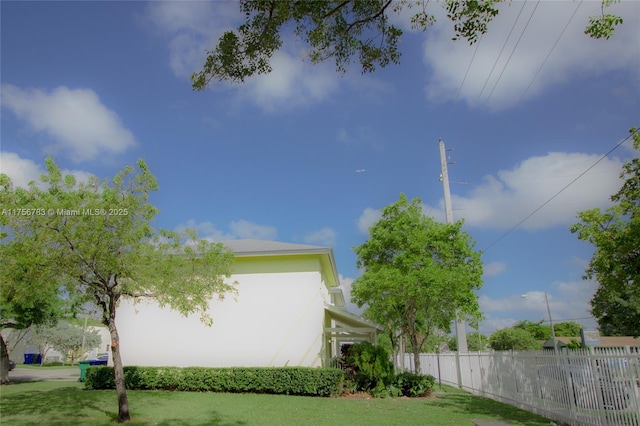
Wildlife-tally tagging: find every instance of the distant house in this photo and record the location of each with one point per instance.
(608, 341)
(290, 311)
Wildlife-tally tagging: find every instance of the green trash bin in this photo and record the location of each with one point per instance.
(83, 370)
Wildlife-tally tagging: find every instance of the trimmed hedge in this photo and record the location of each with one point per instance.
(274, 380)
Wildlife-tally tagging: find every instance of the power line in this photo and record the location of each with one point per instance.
(464, 79)
(502, 50)
(521, 99)
(495, 63)
(557, 193)
(512, 52)
(548, 54)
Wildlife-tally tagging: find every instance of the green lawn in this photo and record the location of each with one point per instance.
(67, 403)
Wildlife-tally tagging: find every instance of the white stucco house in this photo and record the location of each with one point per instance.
(289, 311)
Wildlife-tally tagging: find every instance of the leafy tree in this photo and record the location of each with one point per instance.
(574, 344)
(68, 340)
(94, 240)
(515, 339)
(431, 343)
(536, 329)
(65, 338)
(476, 342)
(603, 25)
(567, 329)
(27, 297)
(343, 30)
(615, 234)
(417, 273)
(42, 337)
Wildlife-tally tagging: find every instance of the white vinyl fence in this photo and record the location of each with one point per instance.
(597, 387)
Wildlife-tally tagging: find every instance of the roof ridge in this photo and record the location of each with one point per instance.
(251, 245)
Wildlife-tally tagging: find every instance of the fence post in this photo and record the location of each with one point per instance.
(481, 365)
(596, 379)
(630, 373)
(439, 373)
(458, 370)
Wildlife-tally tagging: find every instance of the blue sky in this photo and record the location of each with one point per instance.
(100, 84)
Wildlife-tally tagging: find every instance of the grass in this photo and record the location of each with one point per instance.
(68, 403)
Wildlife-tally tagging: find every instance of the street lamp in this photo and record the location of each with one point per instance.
(553, 333)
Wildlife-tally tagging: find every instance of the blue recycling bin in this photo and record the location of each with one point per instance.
(32, 358)
(94, 362)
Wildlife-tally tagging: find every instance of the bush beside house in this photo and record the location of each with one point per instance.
(365, 368)
(273, 380)
(368, 368)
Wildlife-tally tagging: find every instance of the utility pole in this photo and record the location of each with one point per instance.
(553, 333)
(461, 331)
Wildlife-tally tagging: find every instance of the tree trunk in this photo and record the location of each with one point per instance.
(415, 347)
(4, 362)
(394, 351)
(118, 373)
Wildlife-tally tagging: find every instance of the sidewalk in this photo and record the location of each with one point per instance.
(44, 374)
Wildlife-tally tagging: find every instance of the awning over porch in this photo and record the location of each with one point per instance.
(348, 326)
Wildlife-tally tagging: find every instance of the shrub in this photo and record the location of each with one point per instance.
(414, 385)
(369, 367)
(277, 380)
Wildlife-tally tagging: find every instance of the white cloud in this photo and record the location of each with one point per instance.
(575, 54)
(346, 284)
(361, 135)
(75, 118)
(501, 201)
(368, 218)
(343, 136)
(292, 82)
(239, 229)
(512, 303)
(246, 229)
(22, 171)
(206, 230)
(193, 28)
(492, 323)
(568, 301)
(494, 269)
(325, 236)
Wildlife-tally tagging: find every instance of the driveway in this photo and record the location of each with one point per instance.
(71, 374)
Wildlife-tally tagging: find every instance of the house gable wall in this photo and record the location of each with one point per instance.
(276, 320)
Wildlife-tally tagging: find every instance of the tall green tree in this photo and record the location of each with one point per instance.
(73, 342)
(417, 273)
(538, 330)
(343, 30)
(476, 341)
(567, 329)
(27, 295)
(42, 338)
(65, 338)
(615, 234)
(515, 339)
(94, 239)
